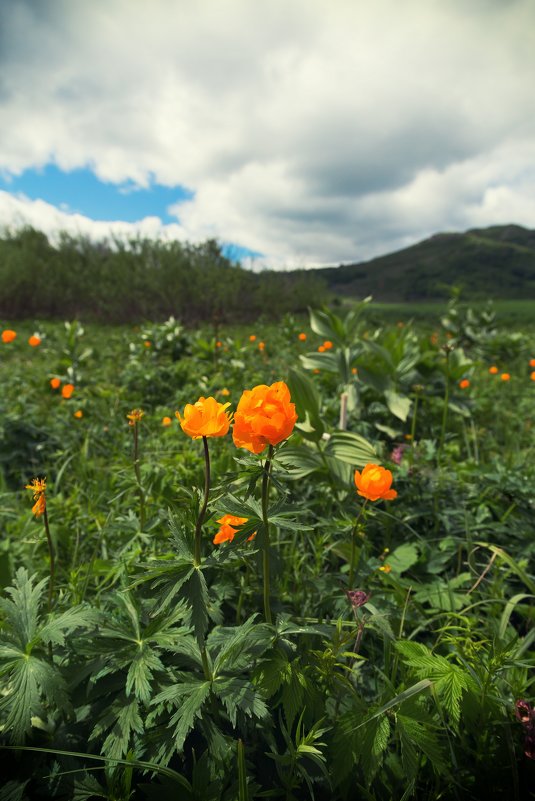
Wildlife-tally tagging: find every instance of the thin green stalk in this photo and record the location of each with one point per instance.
(265, 554)
(202, 513)
(414, 418)
(352, 565)
(52, 560)
(137, 471)
(446, 404)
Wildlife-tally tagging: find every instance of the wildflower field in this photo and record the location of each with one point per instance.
(277, 561)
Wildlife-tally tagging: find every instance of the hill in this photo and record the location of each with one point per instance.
(497, 262)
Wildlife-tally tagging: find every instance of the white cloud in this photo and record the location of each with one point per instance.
(310, 131)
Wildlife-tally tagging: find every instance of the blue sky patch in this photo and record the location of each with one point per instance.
(81, 191)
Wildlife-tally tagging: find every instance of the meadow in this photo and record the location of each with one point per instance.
(328, 595)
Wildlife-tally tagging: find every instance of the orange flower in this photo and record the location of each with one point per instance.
(354, 371)
(252, 338)
(374, 483)
(532, 376)
(265, 416)
(464, 384)
(385, 568)
(493, 370)
(8, 335)
(532, 362)
(147, 343)
(327, 344)
(505, 376)
(261, 346)
(302, 337)
(34, 341)
(135, 416)
(67, 390)
(321, 349)
(228, 528)
(225, 392)
(205, 418)
(166, 421)
(38, 487)
(218, 344)
(78, 414)
(55, 383)
(316, 371)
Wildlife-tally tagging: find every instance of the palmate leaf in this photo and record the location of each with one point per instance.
(450, 681)
(22, 612)
(422, 738)
(127, 722)
(239, 646)
(56, 628)
(238, 694)
(189, 697)
(30, 680)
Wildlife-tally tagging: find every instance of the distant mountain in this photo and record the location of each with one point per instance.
(495, 262)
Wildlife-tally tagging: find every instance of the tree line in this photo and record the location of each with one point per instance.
(141, 279)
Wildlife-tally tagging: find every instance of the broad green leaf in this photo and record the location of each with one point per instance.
(398, 404)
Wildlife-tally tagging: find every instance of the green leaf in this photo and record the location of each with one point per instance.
(350, 448)
(403, 557)
(398, 404)
(306, 398)
(238, 694)
(190, 698)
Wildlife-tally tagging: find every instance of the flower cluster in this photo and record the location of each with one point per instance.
(38, 487)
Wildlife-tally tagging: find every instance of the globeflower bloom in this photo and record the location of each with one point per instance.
(327, 344)
(67, 390)
(532, 376)
(205, 418)
(55, 383)
(229, 526)
(374, 483)
(532, 362)
(78, 414)
(34, 341)
(166, 422)
(464, 384)
(8, 335)
(265, 416)
(493, 370)
(38, 487)
(505, 377)
(302, 337)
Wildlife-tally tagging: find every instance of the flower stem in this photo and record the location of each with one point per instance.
(352, 564)
(137, 471)
(52, 560)
(446, 402)
(265, 555)
(202, 513)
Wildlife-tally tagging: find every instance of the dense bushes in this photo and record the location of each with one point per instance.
(140, 279)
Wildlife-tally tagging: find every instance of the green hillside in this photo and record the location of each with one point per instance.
(496, 262)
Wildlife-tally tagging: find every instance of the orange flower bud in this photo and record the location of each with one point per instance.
(228, 528)
(166, 421)
(147, 343)
(78, 414)
(261, 346)
(532, 362)
(252, 338)
(265, 416)
(302, 337)
(505, 376)
(34, 341)
(205, 418)
(493, 370)
(8, 335)
(327, 344)
(321, 349)
(532, 376)
(464, 384)
(67, 390)
(55, 383)
(374, 483)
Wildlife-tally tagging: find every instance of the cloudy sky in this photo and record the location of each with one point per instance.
(302, 132)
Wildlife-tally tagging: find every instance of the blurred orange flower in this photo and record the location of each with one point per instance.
(225, 392)
(147, 343)
(385, 568)
(321, 349)
(38, 487)
(505, 376)
(374, 483)
(464, 384)
(261, 346)
(166, 421)
(302, 337)
(228, 528)
(34, 341)
(8, 335)
(252, 338)
(135, 416)
(493, 370)
(55, 383)
(532, 376)
(67, 390)
(205, 418)
(78, 414)
(265, 416)
(327, 344)
(532, 362)
(219, 344)
(354, 371)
